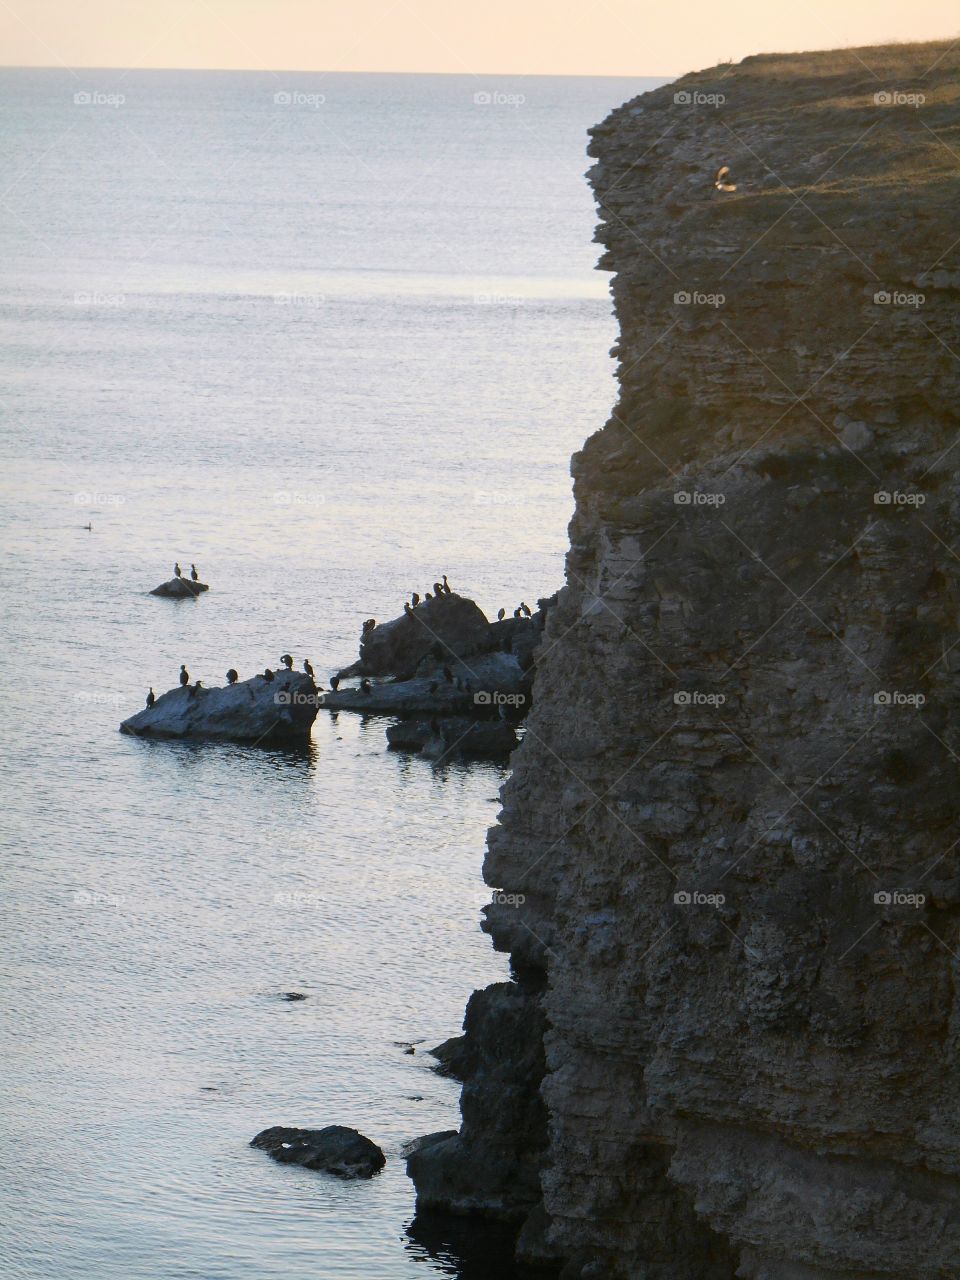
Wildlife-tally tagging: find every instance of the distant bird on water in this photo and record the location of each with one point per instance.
(501, 615)
(177, 573)
(151, 698)
(232, 676)
(308, 668)
(88, 527)
(193, 573)
(365, 685)
(287, 661)
(184, 676)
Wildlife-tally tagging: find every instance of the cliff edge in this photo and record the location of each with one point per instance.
(730, 1046)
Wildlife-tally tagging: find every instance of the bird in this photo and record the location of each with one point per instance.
(406, 607)
(151, 698)
(526, 609)
(232, 676)
(287, 661)
(446, 585)
(517, 613)
(334, 683)
(415, 599)
(438, 588)
(193, 573)
(184, 676)
(268, 675)
(369, 625)
(428, 596)
(501, 615)
(364, 685)
(195, 687)
(308, 668)
(720, 181)
(176, 571)
(88, 527)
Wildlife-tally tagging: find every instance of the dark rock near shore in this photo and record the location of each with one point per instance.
(180, 589)
(453, 1058)
(451, 624)
(344, 1152)
(453, 735)
(255, 710)
(488, 681)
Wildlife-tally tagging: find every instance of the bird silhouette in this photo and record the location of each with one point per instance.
(184, 676)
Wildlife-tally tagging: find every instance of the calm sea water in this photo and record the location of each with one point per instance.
(328, 337)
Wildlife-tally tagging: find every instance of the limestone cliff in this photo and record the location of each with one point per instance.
(733, 820)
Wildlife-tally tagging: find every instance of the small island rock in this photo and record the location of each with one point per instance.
(344, 1152)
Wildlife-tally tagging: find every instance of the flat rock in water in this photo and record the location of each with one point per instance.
(486, 680)
(180, 589)
(344, 1152)
(255, 710)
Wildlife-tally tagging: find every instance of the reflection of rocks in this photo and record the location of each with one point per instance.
(180, 589)
(336, 1149)
(465, 1249)
(453, 735)
(255, 710)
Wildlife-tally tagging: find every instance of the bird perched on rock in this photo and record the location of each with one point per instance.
(177, 571)
(287, 661)
(415, 599)
(501, 615)
(720, 181)
(268, 675)
(308, 668)
(195, 687)
(232, 676)
(406, 607)
(151, 698)
(184, 676)
(369, 625)
(446, 585)
(334, 683)
(517, 613)
(438, 588)
(526, 609)
(193, 573)
(428, 596)
(365, 685)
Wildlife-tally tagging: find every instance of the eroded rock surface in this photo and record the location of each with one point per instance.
(255, 710)
(733, 818)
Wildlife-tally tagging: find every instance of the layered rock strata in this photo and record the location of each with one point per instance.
(733, 818)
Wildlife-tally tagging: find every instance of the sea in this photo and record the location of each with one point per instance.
(327, 337)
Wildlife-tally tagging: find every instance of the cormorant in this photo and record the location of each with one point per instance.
(287, 661)
(364, 685)
(406, 607)
(526, 609)
(232, 676)
(151, 698)
(195, 687)
(501, 615)
(268, 675)
(446, 585)
(308, 668)
(88, 527)
(415, 599)
(334, 683)
(428, 596)
(517, 613)
(176, 571)
(369, 624)
(184, 676)
(193, 573)
(438, 588)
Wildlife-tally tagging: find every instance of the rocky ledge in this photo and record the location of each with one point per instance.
(256, 710)
(730, 837)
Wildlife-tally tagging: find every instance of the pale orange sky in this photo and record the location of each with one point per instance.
(521, 37)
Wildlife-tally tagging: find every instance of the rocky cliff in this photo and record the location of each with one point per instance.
(731, 1045)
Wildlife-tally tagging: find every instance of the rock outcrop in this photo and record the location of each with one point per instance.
(344, 1152)
(255, 710)
(733, 819)
(448, 625)
(487, 681)
(180, 589)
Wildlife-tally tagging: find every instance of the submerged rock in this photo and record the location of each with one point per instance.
(180, 589)
(255, 710)
(344, 1152)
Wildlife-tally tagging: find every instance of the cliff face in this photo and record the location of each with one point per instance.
(733, 820)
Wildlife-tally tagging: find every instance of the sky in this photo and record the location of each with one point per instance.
(511, 37)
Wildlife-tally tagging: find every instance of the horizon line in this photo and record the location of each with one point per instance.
(284, 71)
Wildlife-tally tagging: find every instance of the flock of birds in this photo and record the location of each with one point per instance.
(441, 588)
